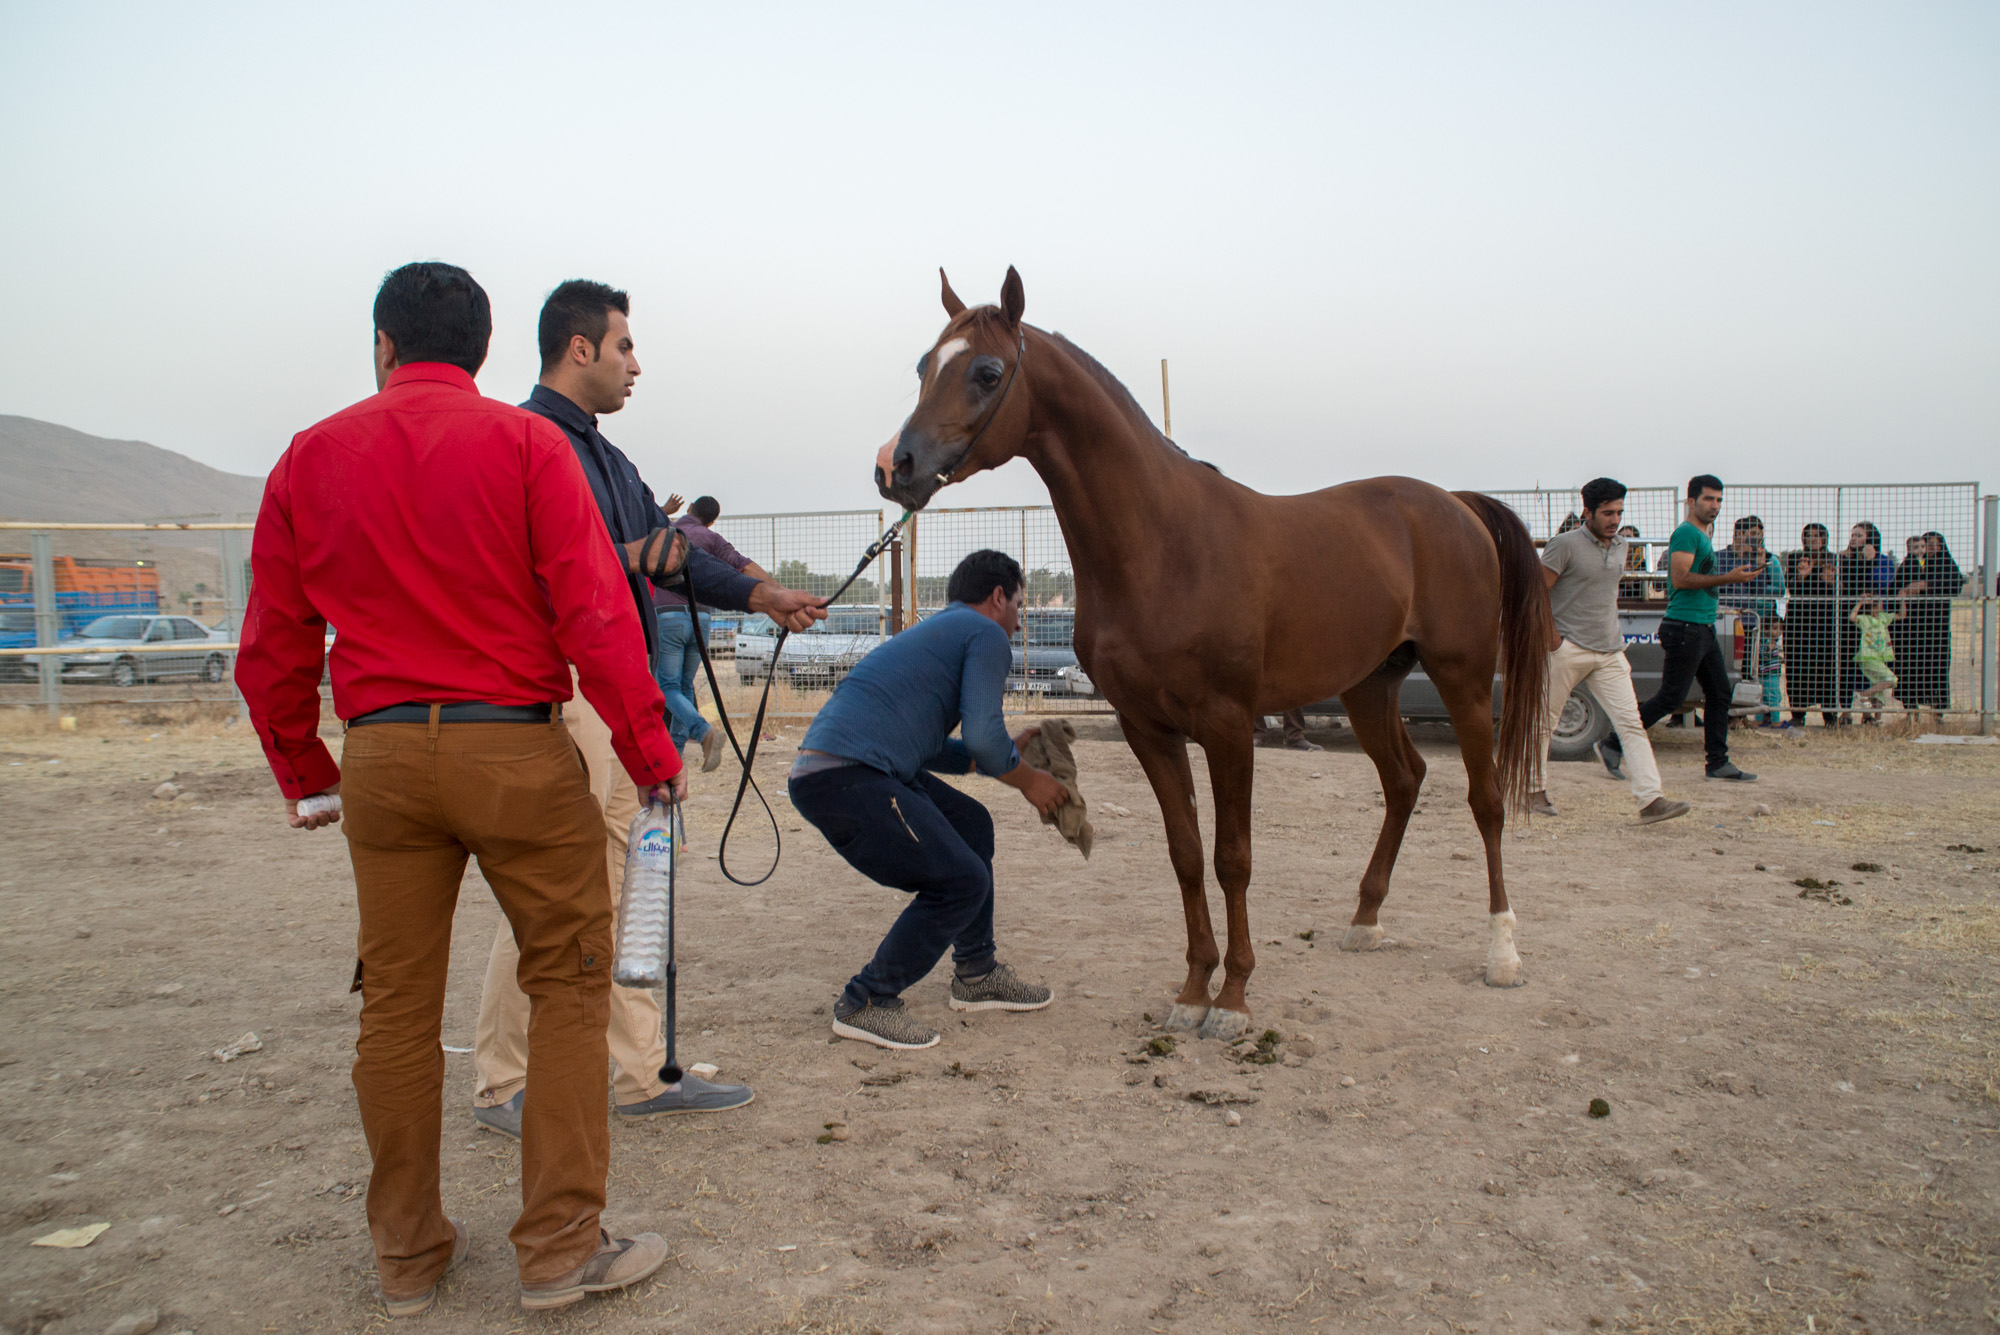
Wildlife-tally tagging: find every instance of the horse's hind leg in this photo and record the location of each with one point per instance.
(1467, 690)
(1378, 724)
(1163, 755)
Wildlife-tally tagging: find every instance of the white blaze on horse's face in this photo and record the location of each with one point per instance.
(942, 357)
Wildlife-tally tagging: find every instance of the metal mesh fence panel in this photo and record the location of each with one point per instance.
(1865, 600)
(145, 615)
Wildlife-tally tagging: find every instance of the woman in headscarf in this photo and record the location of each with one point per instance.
(1865, 570)
(1929, 579)
(1811, 677)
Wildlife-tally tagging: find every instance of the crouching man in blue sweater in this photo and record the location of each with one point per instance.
(864, 779)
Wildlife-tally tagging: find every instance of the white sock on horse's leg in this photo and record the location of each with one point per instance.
(1362, 938)
(1503, 962)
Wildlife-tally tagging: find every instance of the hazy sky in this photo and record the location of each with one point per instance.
(1488, 245)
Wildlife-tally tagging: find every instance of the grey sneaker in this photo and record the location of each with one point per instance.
(1728, 770)
(504, 1118)
(1539, 804)
(1662, 808)
(1000, 989)
(886, 1023)
(616, 1264)
(693, 1094)
(1613, 758)
(711, 749)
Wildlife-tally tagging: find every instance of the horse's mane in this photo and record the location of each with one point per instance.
(1111, 383)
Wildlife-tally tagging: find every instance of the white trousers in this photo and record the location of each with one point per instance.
(1609, 678)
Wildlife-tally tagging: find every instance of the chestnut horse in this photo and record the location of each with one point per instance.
(1201, 605)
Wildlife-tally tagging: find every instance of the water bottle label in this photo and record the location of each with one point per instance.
(654, 843)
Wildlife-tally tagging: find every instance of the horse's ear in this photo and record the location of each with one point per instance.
(1013, 300)
(952, 305)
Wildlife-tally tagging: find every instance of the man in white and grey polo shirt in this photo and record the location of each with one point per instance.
(1582, 568)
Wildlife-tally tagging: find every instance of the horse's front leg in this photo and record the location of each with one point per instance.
(1230, 770)
(1163, 755)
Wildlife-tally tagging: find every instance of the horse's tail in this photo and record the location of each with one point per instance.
(1524, 649)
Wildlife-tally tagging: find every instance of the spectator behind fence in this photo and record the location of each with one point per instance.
(1812, 675)
(1865, 570)
(679, 663)
(1687, 631)
(1757, 604)
(1581, 569)
(1929, 579)
(1875, 650)
(1633, 589)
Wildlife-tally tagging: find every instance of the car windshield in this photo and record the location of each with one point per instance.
(852, 623)
(115, 628)
(1048, 630)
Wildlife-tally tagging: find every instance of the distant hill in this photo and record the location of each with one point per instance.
(56, 473)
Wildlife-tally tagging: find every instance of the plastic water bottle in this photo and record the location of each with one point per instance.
(645, 901)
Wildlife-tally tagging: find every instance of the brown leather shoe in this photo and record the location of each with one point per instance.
(420, 1303)
(1662, 808)
(617, 1263)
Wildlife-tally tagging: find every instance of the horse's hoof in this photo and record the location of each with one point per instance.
(1226, 1025)
(1503, 962)
(1184, 1016)
(1362, 938)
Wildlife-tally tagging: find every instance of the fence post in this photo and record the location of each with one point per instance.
(235, 598)
(895, 586)
(48, 620)
(1989, 618)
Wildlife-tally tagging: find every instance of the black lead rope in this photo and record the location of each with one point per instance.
(748, 780)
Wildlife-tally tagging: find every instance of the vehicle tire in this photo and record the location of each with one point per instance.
(215, 668)
(125, 672)
(1581, 727)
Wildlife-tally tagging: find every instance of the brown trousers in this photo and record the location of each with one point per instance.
(500, 1043)
(419, 798)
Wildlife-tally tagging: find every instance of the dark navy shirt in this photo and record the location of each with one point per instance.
(630, 513)
(897, 707)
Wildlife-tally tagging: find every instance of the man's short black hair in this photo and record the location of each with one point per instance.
(1701, 482)
(1601, 489)
(982, 572)
(578, 306)
(706, 508)
(435, 312)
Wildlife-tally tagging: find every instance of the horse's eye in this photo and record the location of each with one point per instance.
(989, 376)
(922, 362)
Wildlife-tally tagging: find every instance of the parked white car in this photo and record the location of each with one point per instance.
(816, 658)
(99, 652)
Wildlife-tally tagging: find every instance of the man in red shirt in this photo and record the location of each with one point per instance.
(455, 544)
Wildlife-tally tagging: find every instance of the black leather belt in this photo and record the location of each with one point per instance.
(461, 711)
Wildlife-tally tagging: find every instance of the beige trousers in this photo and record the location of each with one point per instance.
(1609, 678)
(500, 1044)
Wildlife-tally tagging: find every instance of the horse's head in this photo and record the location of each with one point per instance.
(970, 415)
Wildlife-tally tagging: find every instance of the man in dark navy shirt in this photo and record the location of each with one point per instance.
(588, 368)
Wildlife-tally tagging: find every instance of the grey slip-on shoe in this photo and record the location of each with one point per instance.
(504, 1118)
(692, 1095)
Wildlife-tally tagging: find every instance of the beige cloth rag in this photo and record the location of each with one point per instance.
(1049, 749)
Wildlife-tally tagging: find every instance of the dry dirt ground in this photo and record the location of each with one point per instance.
(1802, 1089)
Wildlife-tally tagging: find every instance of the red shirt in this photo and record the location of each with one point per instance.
(454, 545)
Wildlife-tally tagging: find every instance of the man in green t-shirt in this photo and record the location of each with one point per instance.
(1687, 632)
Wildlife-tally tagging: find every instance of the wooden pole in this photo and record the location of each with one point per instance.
(1166, 404)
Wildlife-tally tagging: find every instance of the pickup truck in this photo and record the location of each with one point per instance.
(1583, 722)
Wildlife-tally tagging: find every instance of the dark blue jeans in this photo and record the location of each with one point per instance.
(1692, 655)
(926, 839)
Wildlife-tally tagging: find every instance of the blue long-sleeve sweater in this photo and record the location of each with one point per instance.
(898, 706)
